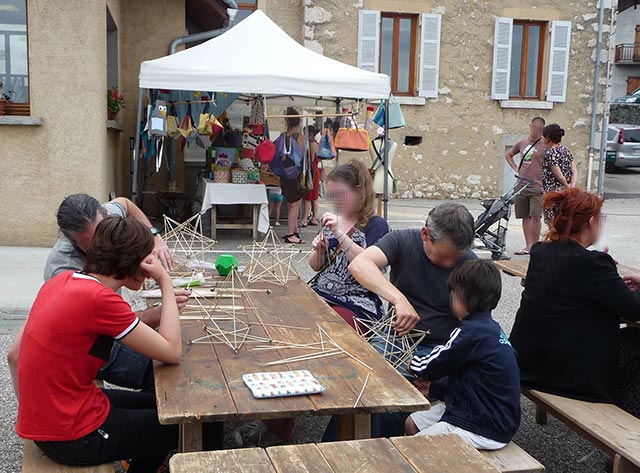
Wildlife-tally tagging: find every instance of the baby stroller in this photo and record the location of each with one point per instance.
(492, 224)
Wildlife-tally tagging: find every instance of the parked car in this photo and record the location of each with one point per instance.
(623, 147)
(633, 98)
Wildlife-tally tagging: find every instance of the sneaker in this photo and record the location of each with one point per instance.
(277, 224)
(255, 434)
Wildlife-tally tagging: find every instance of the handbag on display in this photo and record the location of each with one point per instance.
(205, 126)
(265, 151)
(288, 159)
(326, 146)
(172, 123)
(396, 118)
(257, 115)
(353, 139)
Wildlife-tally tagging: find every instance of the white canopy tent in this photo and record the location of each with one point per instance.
(258, 57)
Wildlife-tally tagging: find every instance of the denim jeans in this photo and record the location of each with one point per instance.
(127, 369)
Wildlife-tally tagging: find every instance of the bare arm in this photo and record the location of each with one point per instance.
(510, 161)
(12, 360)
(161, 250)
(165, 345)
(317, 257)
(152, 316)
(365, 268)
(557, 173)
(574, 174)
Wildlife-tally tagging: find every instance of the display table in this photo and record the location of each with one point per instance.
(214, 194)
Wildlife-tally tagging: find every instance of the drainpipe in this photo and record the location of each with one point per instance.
(231, 11)
(596, 84)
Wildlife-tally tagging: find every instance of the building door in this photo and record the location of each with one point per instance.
(633, 83)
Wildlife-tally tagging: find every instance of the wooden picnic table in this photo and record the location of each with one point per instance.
(423, 454)
(207, 384)
(519, 269)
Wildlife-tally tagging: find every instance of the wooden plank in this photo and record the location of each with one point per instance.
(191, 437)
(513, 267)
(254, 460)
(195, 389)
(371, 456)
(35, 461)
(442, 453)
(305, 458)
(512, 459)
(605, 425)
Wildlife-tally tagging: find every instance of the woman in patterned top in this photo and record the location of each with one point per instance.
(344, 236)
(559, 169)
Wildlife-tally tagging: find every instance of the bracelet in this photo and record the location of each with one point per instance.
(348, 248)
(339, 236)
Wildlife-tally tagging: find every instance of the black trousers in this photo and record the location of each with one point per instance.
(131, 431)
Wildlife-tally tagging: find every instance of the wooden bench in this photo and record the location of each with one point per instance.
(432, 454)
(512, 459)
(34, 461)
(608, 427)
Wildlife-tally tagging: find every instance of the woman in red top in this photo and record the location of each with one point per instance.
(73, 322)
(310, 214)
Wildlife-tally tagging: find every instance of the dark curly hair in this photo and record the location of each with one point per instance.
(554, 132)
(118, 247)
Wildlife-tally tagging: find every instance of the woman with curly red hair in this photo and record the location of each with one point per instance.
(567, 330)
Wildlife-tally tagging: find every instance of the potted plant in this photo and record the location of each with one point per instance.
(4, 98)
(115, 102)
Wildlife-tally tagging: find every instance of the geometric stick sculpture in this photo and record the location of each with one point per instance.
(271, 260)
(383, 337)
(186, 241)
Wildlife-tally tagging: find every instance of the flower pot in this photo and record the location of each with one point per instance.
(3, 105)
(111, 115)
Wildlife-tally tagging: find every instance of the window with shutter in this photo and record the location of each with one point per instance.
(368, 40)
(501, 58)
(430, 55)
(559, 61)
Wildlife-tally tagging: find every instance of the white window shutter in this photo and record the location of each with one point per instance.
(501, 58)
(430, 55)
(559, 61)
(369, 40)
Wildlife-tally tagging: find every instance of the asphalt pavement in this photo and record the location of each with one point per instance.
(554, 445)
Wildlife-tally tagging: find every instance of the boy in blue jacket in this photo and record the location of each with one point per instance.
(475, 373)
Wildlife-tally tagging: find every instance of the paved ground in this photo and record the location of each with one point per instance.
(624, 183)
(559, 449)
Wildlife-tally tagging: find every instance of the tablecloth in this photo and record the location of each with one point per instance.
(215, 193)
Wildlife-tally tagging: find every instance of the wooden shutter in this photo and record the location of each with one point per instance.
(369, 40)
(501, 58)
(559, 61)
(430, 55)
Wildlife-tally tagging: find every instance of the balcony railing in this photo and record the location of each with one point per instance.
(628, 53)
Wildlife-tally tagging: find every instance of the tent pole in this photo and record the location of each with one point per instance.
(337, 150)
(385, 197)
(136, 150)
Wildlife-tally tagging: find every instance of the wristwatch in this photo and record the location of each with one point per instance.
(154, 231)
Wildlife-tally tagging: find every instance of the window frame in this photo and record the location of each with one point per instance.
(542, 44)
(413, 53)
(7, 45)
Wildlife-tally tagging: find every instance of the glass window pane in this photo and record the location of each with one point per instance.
(516, 60)
(14, 64)
(532, 61)
(386, 46)
(404, 55)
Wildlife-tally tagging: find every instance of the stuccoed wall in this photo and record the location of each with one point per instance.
(67, 153)
(464, 131)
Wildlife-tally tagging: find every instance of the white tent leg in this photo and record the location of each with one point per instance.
(136, 150)
(385, 196)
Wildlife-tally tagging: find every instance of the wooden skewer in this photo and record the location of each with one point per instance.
(306, 358)
(362, 390)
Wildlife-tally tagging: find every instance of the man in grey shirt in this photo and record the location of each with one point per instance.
(77, 217)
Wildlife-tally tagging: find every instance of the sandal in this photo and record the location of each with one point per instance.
(287, 238)
(312, 223)
(522, 252)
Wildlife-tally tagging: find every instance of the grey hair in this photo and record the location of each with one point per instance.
(76, 212)
(453, 223)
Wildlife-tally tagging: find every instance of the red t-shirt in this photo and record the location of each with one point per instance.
(66, 340)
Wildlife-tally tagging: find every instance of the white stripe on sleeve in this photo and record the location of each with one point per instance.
(420, 363)
(128, 330)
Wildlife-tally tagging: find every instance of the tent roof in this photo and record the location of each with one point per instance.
(257, 57)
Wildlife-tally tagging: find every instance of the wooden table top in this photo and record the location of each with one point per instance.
(207, 384)
(424, 454)
(519, 268)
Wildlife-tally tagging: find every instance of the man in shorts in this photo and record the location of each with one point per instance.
(528, 203)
